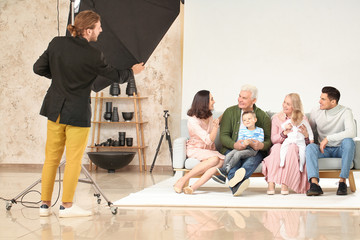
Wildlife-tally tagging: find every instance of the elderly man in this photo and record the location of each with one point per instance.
(231, 123)
(336, 127)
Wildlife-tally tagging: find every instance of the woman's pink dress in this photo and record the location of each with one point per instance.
(290, 174)
(199, 145)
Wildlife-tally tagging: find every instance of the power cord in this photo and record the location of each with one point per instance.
(22, 197)
(24, 203)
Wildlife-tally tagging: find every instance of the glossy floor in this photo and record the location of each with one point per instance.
(155, 222)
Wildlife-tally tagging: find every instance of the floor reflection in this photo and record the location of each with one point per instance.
(164, 223)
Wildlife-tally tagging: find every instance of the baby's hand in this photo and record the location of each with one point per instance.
(247, 142)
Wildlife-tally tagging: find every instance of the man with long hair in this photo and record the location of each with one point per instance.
(72, 64)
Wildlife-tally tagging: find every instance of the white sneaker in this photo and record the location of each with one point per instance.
(238, 177)
(73, 211)
(45, 210)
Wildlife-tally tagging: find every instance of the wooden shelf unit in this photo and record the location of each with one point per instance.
(98, 121)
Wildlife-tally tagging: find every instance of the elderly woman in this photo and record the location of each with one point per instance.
(289, 176)
(202, 130)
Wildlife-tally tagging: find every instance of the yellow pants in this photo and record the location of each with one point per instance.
(74, 139)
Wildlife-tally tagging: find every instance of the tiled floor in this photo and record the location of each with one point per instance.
(159, 223)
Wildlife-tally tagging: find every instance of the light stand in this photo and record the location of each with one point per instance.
(168, 138)
(88, 180)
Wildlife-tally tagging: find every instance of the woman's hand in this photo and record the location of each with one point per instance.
(216, 122)
(304, 131)
(288, 128)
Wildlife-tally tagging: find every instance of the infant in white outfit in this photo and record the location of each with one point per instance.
(295, 136)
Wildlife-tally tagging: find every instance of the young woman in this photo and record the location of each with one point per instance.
(202, 130)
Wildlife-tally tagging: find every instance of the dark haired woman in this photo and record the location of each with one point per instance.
(202, 131)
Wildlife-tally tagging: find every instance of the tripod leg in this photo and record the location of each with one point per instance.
(168, 138)
(157, 151)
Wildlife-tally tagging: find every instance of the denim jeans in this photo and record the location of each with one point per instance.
(250, 164)
(346, 152)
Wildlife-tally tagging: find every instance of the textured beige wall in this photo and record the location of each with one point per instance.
(26, 27)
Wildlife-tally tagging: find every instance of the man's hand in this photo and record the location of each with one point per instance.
(137, 68)
(256, 145)
(323, 144)
(239, 145)
(247, 142)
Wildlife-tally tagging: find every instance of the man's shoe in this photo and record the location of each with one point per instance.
(238, 177)
(222, 171)
(238, 189)
(342, 189)
(73, 211)
(219, 179)
(314, 190)
(45, 210)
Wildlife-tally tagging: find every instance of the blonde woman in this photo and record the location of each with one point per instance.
(288, 175)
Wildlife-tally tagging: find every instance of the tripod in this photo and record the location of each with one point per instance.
(168, 138)
(88, 180)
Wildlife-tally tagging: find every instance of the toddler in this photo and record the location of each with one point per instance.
(246, 135)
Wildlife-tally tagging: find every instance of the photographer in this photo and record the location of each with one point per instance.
(72, 64)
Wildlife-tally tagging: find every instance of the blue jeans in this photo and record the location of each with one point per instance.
(346, 152)
(250, 164)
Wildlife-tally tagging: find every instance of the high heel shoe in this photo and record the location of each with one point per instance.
(284, 192)
(177, 190)
(270, 192)
(188, 190)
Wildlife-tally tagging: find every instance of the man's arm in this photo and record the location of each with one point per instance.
(226, 130)
(349, 128)
(41, 66)
(265, 124)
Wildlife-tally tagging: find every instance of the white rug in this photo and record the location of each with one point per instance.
(213, 194)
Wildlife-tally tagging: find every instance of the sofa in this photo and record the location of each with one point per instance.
(329, 167)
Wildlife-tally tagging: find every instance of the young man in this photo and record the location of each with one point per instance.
(72, 64)
(231, 123)
(335, 127)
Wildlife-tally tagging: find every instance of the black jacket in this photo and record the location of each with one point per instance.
(73, 64)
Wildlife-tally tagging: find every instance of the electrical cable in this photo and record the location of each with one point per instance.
(24, 203)
(58, 196)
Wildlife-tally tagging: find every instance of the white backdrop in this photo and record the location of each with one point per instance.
(280, 46)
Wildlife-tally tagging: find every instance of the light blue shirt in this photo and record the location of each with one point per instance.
(256, 134)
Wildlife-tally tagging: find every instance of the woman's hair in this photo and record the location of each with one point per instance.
(200, 105)
(296, 102)
(333, 93)
(250, 88)
(296, 117)
(84, 20)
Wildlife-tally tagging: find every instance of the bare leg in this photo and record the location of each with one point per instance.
(271, 188)
(284, 189)
(197, 170)
(206, 176)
